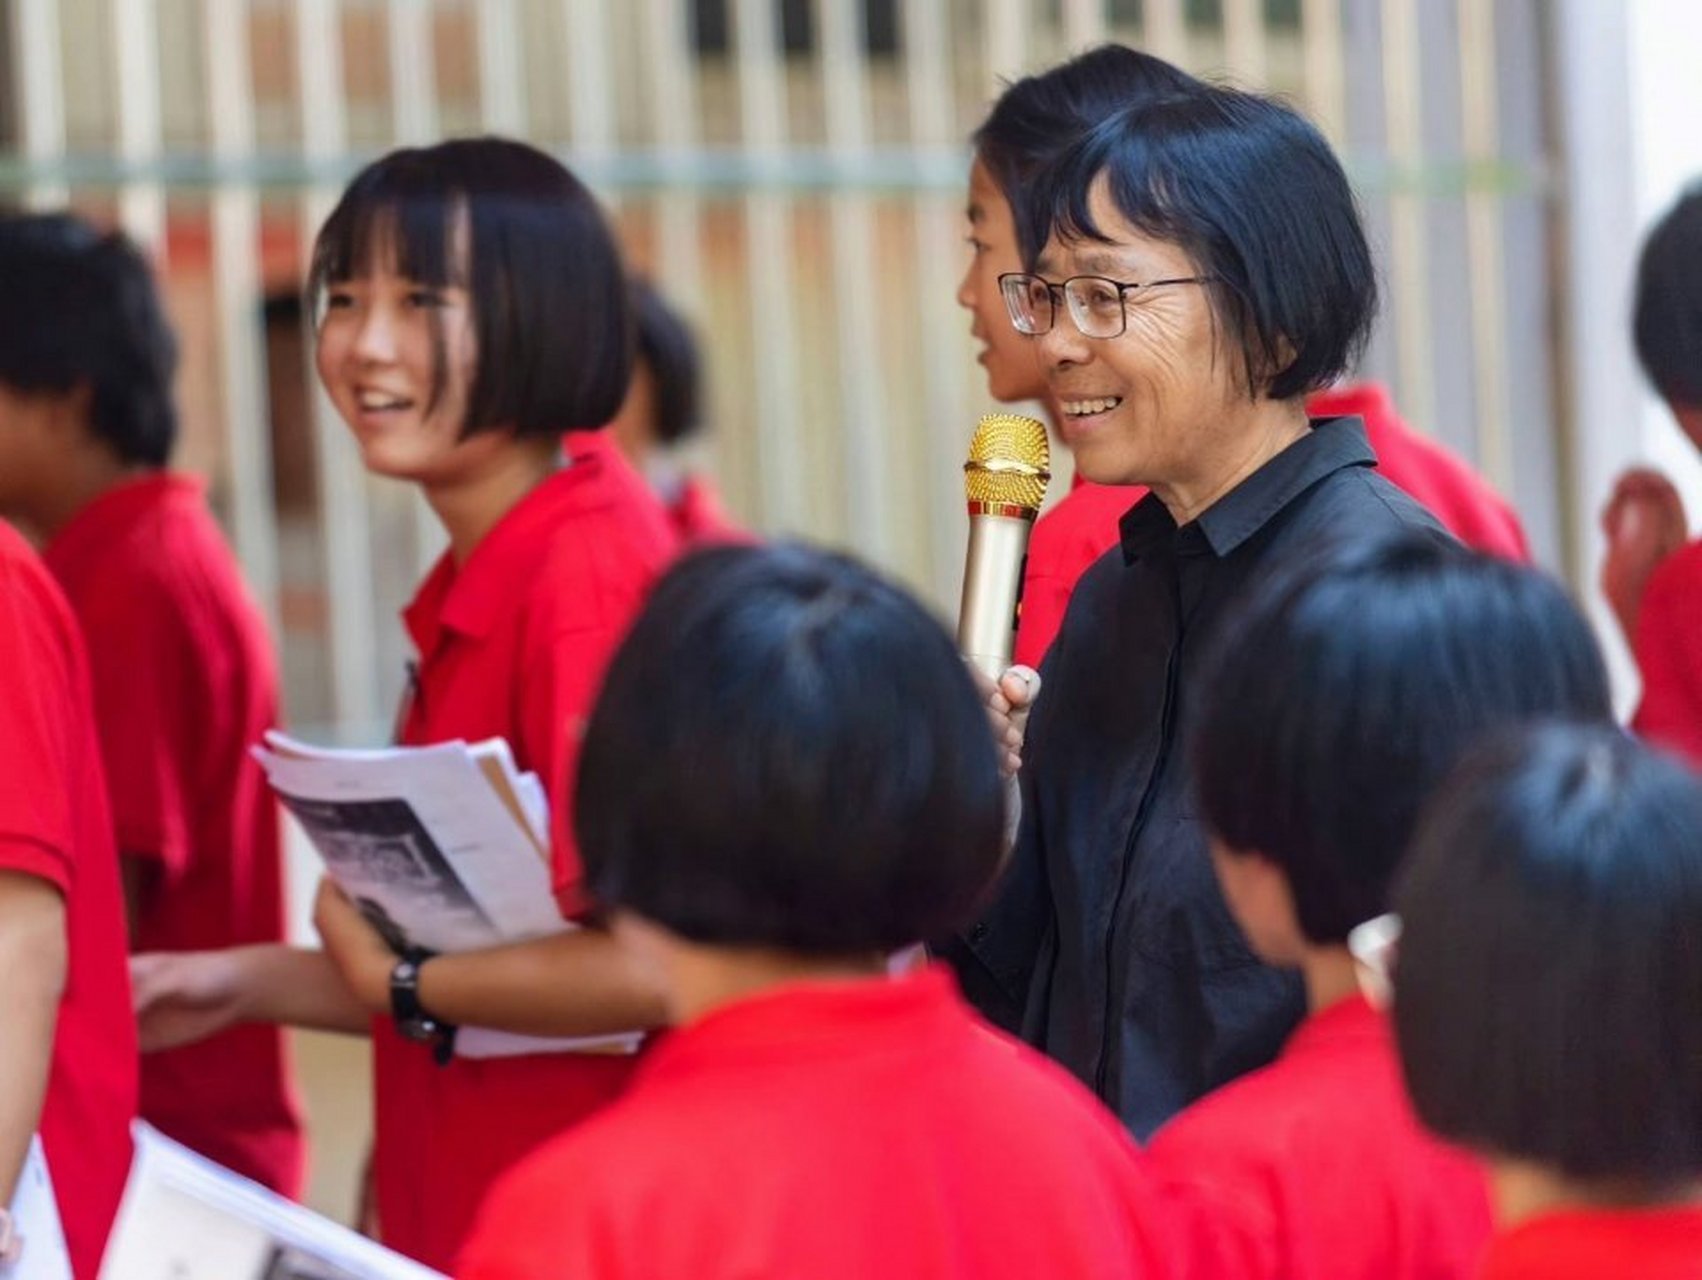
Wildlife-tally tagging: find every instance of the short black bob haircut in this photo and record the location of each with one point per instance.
(1252, 193)
(1038, 116)
(1667, 316)
(788, 753)
(1550, 969)
(667, 348)
(548, 291)
(1350, 685)
(78, 308)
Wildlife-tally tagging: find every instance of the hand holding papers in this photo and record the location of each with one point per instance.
(444, 847)
(185, 1218)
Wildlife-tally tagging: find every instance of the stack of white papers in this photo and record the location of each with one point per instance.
(35, 1217)
(445, 847)
(185, 1218)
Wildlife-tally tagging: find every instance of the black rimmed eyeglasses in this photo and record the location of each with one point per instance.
(1095, 302)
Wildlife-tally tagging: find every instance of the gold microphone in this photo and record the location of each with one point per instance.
(1005, 482)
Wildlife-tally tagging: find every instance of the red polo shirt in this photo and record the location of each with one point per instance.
(847, 1130)
(512, 644)
(1082, 527)
(699, 517)
(1589, 1244)
(1315, 1168)
(54, 824)
(185, 682)
(1668, 649)
(1440, 480)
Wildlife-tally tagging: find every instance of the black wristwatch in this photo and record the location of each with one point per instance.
(412, 1020)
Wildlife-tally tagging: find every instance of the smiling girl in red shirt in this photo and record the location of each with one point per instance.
(474, 331)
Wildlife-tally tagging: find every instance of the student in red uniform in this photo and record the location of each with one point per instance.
(763, 840)
(1652, 575)
(68, 1044)
(1331, 710)
(1546, 996)
(183, 672)
(663, 409)
(1033, 121)
(474, 333)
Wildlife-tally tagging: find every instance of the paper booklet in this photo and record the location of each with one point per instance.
(445, 847)
(185, 1218)
(35, 1217)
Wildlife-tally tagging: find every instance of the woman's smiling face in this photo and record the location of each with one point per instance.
(1161, 402)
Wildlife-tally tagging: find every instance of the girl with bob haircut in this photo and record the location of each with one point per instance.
(809, 1115)
(473, 331)
(1546, 995)
(1346, 689)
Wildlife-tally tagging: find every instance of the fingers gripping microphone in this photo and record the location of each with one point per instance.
(1004, 480)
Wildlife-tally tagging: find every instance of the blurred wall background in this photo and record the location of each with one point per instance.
(792, 173)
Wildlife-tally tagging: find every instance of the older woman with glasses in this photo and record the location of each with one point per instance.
(1203, 268)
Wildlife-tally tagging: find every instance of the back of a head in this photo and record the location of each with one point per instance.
(1550, 968)
(668, 349)
(551, 305)
(79, 309)
(788, 753)
(1038, 116)
(1252, 192)
(1667, 316)
(1347, 687)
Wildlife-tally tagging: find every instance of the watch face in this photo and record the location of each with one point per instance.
(419, 1030)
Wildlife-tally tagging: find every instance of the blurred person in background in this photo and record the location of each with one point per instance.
(1184, 305)
(184, 675)
(68, 1049)
(1652, 574)
(1347, 688)
(809, 1115)
(663, 410)
(1546, 986)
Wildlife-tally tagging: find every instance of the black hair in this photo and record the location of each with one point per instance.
(549, 294)
(1038, 116)
(1550, 970)
(1667, 317)
(667, 348)
(1250, 190)
(78, 308)
(1347, 688)
(787, 752)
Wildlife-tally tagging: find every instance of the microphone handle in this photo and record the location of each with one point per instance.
(992, 590)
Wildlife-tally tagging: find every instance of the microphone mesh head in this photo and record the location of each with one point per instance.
(1009, 462)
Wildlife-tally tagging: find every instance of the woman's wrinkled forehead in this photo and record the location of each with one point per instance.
(1107, 243)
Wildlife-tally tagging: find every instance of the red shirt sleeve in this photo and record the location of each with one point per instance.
(141, 690)
(36, 829)
(569, 666)
(1668, 648)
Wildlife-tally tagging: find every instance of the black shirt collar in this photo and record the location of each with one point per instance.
(1330, 446)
